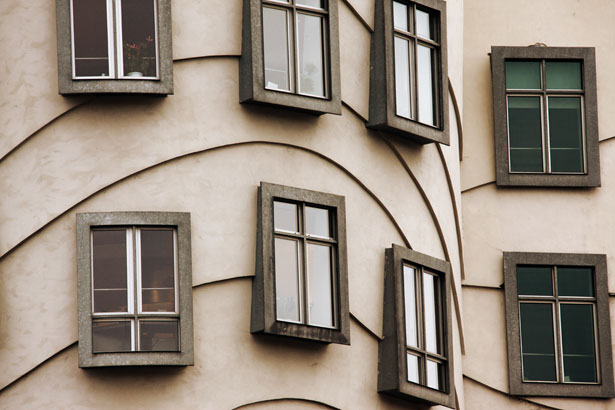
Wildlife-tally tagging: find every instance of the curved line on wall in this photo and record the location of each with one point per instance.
(436, 222)
(56, 354)
(39, 129)
(451, 191)
(485, 385)
(358, 16)
(463, 191)
(245, 406)
(451, 91)
(211, 149)
(213, 56)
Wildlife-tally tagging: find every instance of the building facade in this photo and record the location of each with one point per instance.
(267, 204)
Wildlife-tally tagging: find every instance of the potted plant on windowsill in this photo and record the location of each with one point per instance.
(140, 58)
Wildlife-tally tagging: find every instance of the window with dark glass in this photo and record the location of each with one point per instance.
(135, 299)
(114, 39)
(556, 310)
(301, 265)
(408, 80)
(134, 290)
(545, 116)
(415, 354)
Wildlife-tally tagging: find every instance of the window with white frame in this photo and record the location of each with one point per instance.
(135, 296)
(114, 39)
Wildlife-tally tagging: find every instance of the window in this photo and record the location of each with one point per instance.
(408, 83)
(416, 352)
(135, 289)
(546, 131)
(290, 55)
(301, 283)
(121, 46)
(559, 341)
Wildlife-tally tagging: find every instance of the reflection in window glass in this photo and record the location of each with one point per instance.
(535, 280)
(159, 336)
(564, 75)
(523, 75)
(525, 134)
(139, 38)
(425, 84)
(310, 3)
(575, 281)
(285, 216)
(319, 281)
(433, 374)
(157, 271)
(431, 313)
(565, 135)
(578, 343)
(90, 38)
(109, 271)
(111, 336)
(413, 368)
(275, 34)
(287, 279)
(537, 343)
(424, 27)
(310, 55)
(402, 78)
(400, 16)
(317, 222)
(410, 306)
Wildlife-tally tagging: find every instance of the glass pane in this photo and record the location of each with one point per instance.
(431, 301)
(400, 16)
(410, 306)
(424, 61)
(535, 280)
(425, 26)
(413, 368)
(575, 281)
(139, 38)
(90, 38)
(317, 222)
(310, 3)
(287, 279)
(159, 336)
(578, 343)
(565, 134)
(320, 279)
(433, 374)
(275, 46)
(310, 55)
(157, 271)
(402, 78)
(564, 75)
(538, 352)
(111, 336)
(525, 134)
(523, 75)
(109, 268)
(285, 216)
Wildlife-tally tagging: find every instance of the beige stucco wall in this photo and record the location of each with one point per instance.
(496, 220)
(200, 151)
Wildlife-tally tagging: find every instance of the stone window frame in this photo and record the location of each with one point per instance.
(604, 389)
(392, 363)
(382, 114)
(67, 85)
(591, 177)
(178, 220)
(264, 319)
(252, 72)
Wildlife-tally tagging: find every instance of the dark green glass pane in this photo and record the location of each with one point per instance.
(575, 281)
(525, 135)
(537, 347)
(534, 280)
(564, 75)
(578, 343)
(565, 135)
(524, 75)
